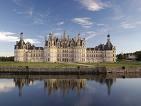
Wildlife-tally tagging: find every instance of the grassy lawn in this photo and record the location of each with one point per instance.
(70, 65)
(39, 65)
(117, 64)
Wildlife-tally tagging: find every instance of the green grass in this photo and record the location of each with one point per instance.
(39, 65)
(70, 65)
(117, 64)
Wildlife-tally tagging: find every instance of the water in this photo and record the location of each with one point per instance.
(99, 90)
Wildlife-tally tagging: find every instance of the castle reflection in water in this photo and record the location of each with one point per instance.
(63, 85)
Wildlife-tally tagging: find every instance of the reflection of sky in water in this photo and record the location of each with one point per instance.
(6, 85)
(77, 93)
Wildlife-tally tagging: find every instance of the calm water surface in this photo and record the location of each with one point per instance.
(70, 91)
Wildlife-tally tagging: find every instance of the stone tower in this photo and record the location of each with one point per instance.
(50, 49)
(80, 50)
(109, 51)
(19, 51)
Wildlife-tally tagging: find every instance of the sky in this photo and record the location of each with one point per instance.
(93, 19)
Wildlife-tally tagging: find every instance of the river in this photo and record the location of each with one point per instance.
(49, 90)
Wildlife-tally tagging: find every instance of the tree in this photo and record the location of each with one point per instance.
(121, 56)
(138, 55)
(11, 58)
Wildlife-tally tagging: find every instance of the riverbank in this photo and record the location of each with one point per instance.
(70, 65)
(68, 68)
(52, 71)
(126, 64)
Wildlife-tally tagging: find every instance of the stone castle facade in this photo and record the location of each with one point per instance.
(64, 49)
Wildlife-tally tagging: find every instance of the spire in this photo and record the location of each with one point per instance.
(68, 37)
(64, 35)
(46, 38)
(108, 45)
(51, 36)
(21, 36)
(78, 36)
(108, 37)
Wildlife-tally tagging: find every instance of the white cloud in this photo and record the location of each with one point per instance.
(94, 5)
(130, 25)
(59, 29)
(18, 2)
(57, 34)
(100, 24)
(24, 8)
(32, 40)
(99, 32)
(37, 20)
(60, 23)
(90, 34)
(29, 11)
(118, 12)
(25, 11)
(7, 53)
(126, 25)
(85, 22)
(13, 37)
(8, 37)
(6, 85)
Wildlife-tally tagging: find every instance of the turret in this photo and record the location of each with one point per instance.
(78, 36)
(46, 41)
(21, 36)
(64, 35)
(110, 55)
(50, 50)
(20, 47)
(108, 37)
(108, 45)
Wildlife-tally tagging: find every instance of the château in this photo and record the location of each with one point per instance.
(64, 49)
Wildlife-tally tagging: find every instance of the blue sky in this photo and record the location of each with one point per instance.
(93, 19)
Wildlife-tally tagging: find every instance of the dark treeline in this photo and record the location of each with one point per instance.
(125, 56)
(11, 58)
(138, 55)
(122, 56)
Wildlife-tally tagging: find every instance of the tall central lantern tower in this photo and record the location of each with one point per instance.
(50, 49)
